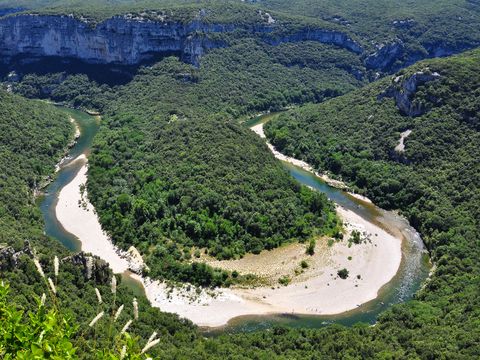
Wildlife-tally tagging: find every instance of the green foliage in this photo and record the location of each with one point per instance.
(311, 247)
(33, 136)
(343, 273)
(43, 334)
(423, 28)
(420, 24)
(167, 132)
(208, 185)
(284, 280)
(435, 183)
(355, 237)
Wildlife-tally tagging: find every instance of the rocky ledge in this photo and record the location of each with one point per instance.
(92, 267)
(404, 88)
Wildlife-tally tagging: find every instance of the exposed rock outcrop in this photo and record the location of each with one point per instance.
(9, 258)
(400, 148)
(129, 40)
(118, 40)
(385, 55)
(403, 24)
(324, 36)
(135, 261)
(403, 89)
(92, 267)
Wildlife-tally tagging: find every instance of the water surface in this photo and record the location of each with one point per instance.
(88, 128)
(413, 270)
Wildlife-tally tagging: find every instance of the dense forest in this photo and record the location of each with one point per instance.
(434, 180)
(174, 173)
(164, 170)
(34, 136)
(404, 31)
(247, 77)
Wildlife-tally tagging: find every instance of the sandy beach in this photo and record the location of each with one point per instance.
(317, 290)
(82, 221)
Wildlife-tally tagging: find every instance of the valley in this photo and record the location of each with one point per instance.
(317, 290)
(239, 179)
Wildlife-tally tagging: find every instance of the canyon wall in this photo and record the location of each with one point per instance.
(130, 40)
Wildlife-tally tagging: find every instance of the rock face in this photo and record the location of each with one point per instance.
(323, 36)
(131, 39)
(385, 55)
(119, 40)
(403, 89)
(135, 261)
(9, 258)
(128, 40)
(92, 267)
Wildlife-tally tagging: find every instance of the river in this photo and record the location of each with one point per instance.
(413, 270)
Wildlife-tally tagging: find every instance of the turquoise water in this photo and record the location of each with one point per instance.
(413, 270)
(68, 170)
(88, 128)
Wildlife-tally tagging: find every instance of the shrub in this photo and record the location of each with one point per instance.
(343, 273)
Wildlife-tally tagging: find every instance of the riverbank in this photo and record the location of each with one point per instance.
(317, 291)
(258, 129)
(77, 216)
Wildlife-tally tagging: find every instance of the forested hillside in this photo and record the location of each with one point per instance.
(392, 33)
(434, 180)
(245, 78)
(405, 30)
(167, 168)
(32, 138)
(175, 174)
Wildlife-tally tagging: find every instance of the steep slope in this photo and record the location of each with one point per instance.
(390, 35)
(33, 138)
(434, 180)
(135, 36)
(401, 32)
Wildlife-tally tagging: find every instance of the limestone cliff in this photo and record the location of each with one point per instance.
(129, 40)
(403, 90)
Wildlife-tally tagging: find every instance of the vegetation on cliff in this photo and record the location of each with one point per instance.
(404, 33)
(218, 180)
